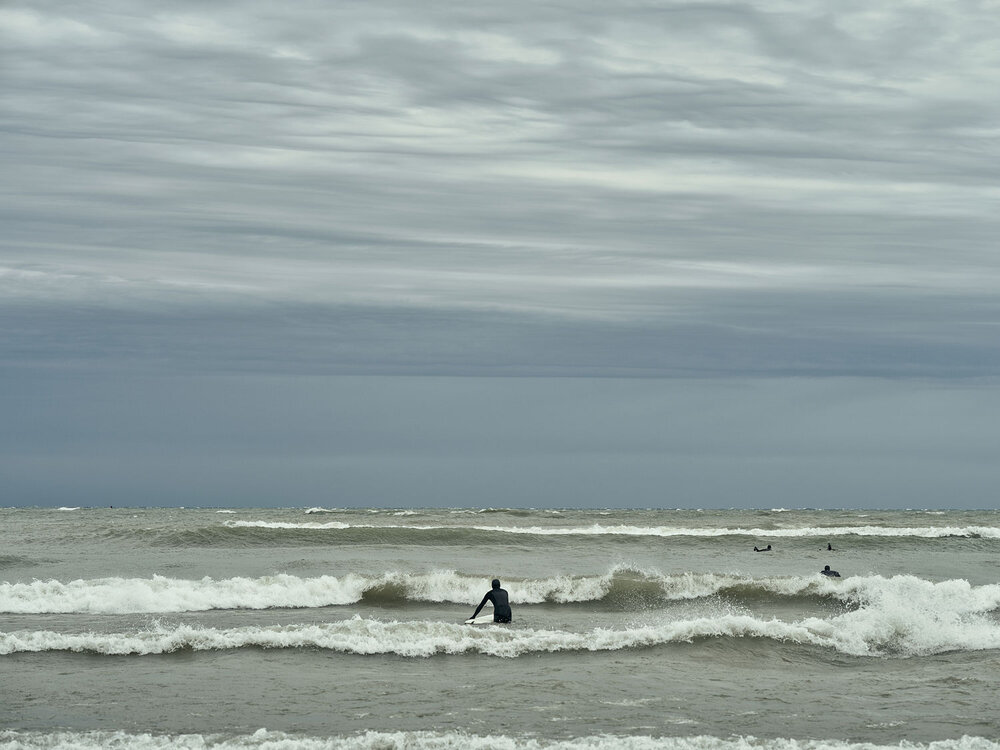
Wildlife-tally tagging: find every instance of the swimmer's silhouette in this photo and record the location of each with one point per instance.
(766, 549)
(832, 573)
(501, 606)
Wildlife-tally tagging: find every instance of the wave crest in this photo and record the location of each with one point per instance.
(927, 532)
(622, 588)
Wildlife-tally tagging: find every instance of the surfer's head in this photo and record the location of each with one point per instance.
(826, 567)
(496, 583)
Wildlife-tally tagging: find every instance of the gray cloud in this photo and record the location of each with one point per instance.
(675, 190)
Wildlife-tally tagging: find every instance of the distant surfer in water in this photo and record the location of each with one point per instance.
(829, 547)
(501, 607)
(832, 573)
(766, 549)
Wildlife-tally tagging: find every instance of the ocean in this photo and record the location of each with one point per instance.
(639, 629)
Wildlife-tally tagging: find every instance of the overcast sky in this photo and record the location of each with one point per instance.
(702, 254)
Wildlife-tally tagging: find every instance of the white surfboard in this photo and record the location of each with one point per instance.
(484, 617)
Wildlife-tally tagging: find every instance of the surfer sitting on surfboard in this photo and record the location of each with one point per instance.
(501, 607)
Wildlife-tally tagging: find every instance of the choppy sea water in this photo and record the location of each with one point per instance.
(326, 628)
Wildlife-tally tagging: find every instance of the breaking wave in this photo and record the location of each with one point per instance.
(927, 532)
(410, 530)
(620, 589)
(902, 617)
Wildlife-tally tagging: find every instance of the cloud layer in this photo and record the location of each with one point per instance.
(739, 187)
(751, 247)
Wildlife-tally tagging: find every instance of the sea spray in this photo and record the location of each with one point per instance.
(908, 616)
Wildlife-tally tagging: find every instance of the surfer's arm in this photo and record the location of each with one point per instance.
(487, 598)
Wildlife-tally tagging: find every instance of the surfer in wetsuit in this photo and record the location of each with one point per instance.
(501, 607)
(766, 549)
(832, 573)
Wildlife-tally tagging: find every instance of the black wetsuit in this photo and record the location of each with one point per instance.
(501, 607)
(831, 573)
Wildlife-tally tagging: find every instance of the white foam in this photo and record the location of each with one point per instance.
(911, 598)
(908, 617)
(412, 639)
(161, 594)
(290, 525)
(454, 740)
(927, 532)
